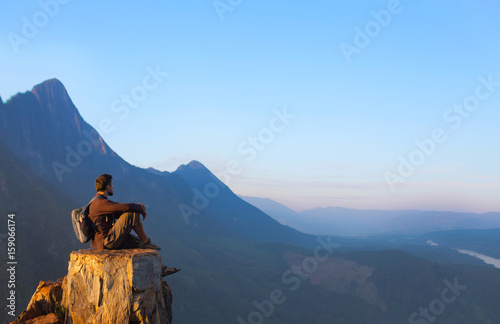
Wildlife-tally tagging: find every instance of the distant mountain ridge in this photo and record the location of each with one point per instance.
(355, 222)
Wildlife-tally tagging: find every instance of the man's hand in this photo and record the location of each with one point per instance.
(143, 212)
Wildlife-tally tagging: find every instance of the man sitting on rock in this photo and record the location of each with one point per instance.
(117, 235)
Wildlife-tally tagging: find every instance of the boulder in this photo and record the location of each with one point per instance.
(116, 286)
(46, 300)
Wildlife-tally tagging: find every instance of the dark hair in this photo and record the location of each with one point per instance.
(102, 181)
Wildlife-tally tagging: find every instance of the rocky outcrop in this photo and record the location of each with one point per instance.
(116, 286)
(104, 286)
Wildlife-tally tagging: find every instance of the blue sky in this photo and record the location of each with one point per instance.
(363, 81)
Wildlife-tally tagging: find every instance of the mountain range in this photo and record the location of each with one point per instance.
(355, 222)
(239, 264)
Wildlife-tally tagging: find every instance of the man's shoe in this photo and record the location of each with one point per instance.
(150, 245)
(166, 271)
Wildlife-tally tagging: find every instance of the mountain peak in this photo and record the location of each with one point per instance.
(197, 175)
(53, 98)
(44, 125)
(54, 82)
(51, 91)
(193, 165)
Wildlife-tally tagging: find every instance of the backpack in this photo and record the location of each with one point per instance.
(82, 224)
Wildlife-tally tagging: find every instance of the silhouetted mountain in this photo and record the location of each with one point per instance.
(44, 128)
(198, 176)
(234, 214)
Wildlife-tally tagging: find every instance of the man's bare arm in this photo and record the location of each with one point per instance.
(143, 212)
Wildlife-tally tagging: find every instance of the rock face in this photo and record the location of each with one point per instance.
(116, 286)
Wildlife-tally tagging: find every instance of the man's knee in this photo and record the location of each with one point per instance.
(121, 230)
(132, 218)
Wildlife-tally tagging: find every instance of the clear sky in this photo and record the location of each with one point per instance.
(310, 103)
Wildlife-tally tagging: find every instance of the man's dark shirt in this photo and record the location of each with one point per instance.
(102, 212)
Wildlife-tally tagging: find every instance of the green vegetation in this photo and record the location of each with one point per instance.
(59, 309)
